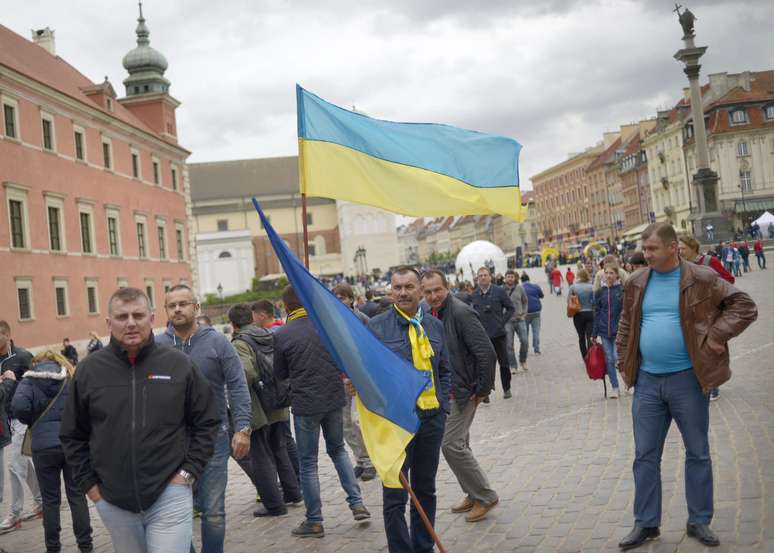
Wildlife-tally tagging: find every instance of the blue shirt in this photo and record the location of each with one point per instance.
(662, 344)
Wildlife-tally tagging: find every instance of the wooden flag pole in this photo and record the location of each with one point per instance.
(306, 230)
(421, 512)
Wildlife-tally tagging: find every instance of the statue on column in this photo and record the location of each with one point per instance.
(686, 20)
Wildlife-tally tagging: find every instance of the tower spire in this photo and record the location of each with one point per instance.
(145, 65)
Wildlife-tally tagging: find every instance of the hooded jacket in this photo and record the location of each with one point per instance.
(218, 361)
(129, 427)
(608, 302)
(35, 392)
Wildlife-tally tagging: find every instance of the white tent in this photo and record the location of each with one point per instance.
(480, 254)
(764, 220)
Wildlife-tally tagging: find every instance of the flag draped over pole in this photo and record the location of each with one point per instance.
(387, 385)
(417, 169)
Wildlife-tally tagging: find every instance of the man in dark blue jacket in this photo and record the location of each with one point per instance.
(393, 328)
(495, 308)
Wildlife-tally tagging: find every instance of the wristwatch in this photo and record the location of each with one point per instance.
(187, 476)
(245, 430)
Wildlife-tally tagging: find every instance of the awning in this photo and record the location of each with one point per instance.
(754, 205)
(635, 231)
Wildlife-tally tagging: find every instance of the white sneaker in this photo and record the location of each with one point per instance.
(36, 512)
(613, 393)
(630, 391)
(10, 523)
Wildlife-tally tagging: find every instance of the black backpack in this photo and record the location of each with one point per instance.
(272, 393)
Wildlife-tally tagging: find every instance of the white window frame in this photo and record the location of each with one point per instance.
(174, 175)
(733, 117)
(742, 149)
(24, 283)
(745, 181)
(87, 206)
(56, 201)
(6, 101)
(161, 223)
(62, 283)
(77, 129)
(17, 193)
(122, 282)
(156, 171)
(45, 116)
(112, 161)
(144, 220)
(166, 284)
(113, 213)
(136, 152)
(92, 283)
(768, 113)
(180, 227)
(152, 296)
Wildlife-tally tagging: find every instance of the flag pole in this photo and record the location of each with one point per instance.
(306, 230)
(421, 511)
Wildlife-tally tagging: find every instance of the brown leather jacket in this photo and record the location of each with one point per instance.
(712, 312)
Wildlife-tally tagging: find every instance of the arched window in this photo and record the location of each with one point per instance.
(224, 255)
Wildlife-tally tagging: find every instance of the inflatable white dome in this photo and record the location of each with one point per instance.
(479, 254)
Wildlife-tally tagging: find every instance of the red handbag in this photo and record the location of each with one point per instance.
(596, 367)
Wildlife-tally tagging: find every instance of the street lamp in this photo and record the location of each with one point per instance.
(744, 204)
(220, 292)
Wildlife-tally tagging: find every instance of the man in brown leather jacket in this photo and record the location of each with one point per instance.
(672, 346)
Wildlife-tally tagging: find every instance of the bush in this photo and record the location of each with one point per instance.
(244, 297)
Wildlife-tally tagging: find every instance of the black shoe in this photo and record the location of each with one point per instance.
(637, 537)
(485, 400)
(703, 533)
(368, 474)
(507, 394)
(358, 472)
(264, 512)
(296, 501)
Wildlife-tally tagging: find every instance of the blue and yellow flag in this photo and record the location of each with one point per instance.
(387, 385)
(418, 169)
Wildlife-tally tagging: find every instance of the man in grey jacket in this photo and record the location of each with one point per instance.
(473, 359)
(517, 324)
(217, 359)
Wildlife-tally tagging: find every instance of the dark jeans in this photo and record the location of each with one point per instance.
(657, 400)
(584, 326)
(49, 465)
(269, 457)
(761, 258)
(292, 448)
(244, 463)
(501, 349)
(420, 468)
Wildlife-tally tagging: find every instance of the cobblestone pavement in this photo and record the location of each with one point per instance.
(560, 456)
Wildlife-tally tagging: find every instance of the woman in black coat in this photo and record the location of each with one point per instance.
(38, 403)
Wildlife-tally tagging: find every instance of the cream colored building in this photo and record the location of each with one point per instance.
(369, 239)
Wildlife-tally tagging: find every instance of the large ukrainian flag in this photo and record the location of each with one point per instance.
(387, 385)
(419, 169)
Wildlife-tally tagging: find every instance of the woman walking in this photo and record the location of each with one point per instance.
(38, 402)
(607, 310)
(583, 319)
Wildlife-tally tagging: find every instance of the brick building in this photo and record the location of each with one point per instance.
(94, 188)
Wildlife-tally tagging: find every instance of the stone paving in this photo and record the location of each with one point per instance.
(560, 456)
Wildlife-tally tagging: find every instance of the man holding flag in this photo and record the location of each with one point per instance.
(419, 338)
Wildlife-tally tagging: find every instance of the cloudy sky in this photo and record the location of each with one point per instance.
(553, 74)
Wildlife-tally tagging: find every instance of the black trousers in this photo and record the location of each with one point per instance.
(291, 447)
(269, 457)
(49, 465)
(501, 349)
(584, 326)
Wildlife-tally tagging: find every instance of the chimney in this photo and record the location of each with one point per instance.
(45, 39)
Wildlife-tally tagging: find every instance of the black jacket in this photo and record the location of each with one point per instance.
(494, 308)
(35, 392)
(130, 428)
(18, 360)
(470, 350)
(316, 383)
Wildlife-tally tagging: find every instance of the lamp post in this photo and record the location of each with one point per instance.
(220, 292)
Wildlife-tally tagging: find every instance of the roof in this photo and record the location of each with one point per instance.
(243, 178)
(604, 157)
(761, 90)
(35, 62)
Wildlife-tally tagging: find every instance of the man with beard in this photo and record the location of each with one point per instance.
(217, 359)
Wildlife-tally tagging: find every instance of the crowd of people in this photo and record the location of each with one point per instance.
(144, 426)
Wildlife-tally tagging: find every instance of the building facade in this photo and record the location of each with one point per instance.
(94, 189)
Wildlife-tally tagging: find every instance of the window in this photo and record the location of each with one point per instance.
(113, 244)
(179, 241)
(745, 181)
(742, 150)
(91, 297)
(107, 153)
(141, 244)
(48, 132)
(308, 218)
(174, 178)
(738, 117)
(162, 232)
(149, 293)
(768, 113)
(135, 164)
(61, 300)
(224, 255)
(122, 282)
(109, 102)
(86, 242)
(222, 225)
(54, 228)
(24, 298)
(9, 113)
(156, 173)
(167, 285)
(79, 154)
(16, 211)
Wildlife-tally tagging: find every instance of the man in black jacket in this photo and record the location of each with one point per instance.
(138, 427)
(495, 308)
(473, 366)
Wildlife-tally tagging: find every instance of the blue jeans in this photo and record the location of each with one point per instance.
(308, 440)
(420, 468)
(512, 329)
(210, 496)
(533, 321)
(657, 400)
(164, 528)
(608, 344)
